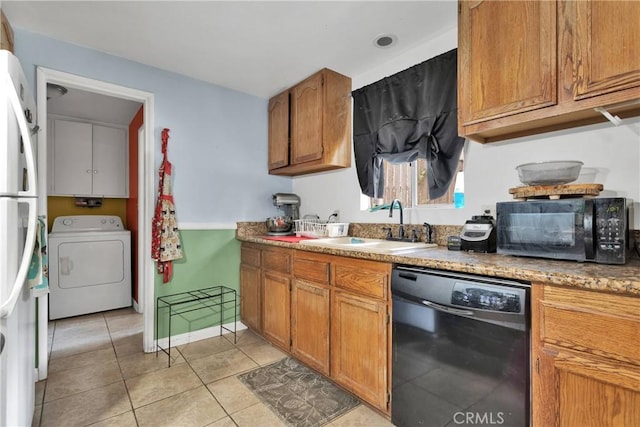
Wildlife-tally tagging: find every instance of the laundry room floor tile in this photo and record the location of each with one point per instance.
(124, 323)
(86, 337)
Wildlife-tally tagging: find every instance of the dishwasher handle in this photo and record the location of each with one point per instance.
(446, 309)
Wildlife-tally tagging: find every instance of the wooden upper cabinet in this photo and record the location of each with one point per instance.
(279, 131)
(607, 51)
(530, 66)
(306, 120)
(318, 126)
(507, 47)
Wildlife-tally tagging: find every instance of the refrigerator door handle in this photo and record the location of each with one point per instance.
(7, 306)
(26, 136)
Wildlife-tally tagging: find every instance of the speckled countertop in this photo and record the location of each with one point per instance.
(623, 279)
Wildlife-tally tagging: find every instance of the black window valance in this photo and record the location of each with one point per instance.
(409, 115)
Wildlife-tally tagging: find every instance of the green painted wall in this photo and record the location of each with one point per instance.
(211, 258)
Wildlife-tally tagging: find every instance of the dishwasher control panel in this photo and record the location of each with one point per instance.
(475, 295)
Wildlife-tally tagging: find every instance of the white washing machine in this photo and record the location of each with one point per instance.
(89, 265)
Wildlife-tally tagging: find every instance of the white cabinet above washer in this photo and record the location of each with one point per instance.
(87, 159)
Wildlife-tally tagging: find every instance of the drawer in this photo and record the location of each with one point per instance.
(598, 323)
(361, 276)
(313, 267)
(277, 260)
(250, 255)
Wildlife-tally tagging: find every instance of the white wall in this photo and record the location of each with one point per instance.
(611, 157)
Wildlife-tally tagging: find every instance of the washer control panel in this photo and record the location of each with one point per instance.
(66, 224)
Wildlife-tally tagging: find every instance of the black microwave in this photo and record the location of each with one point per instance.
(594, 230)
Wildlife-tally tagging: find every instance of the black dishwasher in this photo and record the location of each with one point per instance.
(460, 349)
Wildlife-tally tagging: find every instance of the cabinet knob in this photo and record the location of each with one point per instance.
(89, 171)
(95, 171)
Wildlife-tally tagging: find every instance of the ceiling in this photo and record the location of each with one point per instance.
(256, 47)
(92, 106)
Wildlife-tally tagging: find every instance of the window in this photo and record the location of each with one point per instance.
(408, 183)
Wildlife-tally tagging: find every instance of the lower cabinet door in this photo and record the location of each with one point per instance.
(250, 296)
(310, 324)
(359, 340)
(578, 389)
(276, 320)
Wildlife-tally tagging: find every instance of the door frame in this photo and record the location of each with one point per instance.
(146, 188)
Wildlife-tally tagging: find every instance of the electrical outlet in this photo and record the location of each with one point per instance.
(490, 208)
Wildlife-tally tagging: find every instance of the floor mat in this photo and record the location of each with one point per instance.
(298, 395)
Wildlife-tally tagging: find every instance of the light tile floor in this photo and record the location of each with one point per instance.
(99, 376)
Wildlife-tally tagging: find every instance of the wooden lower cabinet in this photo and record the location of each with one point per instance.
(330, 312)
(310, 316)
(585, 358)
(251, 296)
(251, 287)
(359, 346)
(276, 297)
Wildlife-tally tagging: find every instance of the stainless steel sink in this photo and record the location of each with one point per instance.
(368, 245)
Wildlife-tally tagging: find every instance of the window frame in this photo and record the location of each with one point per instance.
(413, 182)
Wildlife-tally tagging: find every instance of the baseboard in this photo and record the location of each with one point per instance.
(136, 307)
(199, 335)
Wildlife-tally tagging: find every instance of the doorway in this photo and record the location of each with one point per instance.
(146, 162)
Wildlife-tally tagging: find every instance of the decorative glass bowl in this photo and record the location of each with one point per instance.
(549, 173)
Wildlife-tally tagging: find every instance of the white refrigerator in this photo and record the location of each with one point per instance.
(18, 219)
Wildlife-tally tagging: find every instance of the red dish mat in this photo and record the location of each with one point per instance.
(288, 239)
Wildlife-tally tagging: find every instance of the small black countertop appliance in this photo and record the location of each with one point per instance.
(577, 229)
(479, 234)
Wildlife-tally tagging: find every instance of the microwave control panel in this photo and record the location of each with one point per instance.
(611, 229)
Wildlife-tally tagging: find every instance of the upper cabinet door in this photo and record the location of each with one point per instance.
(306, 120)
(110, 162)
(279, 131)
(72, 168)
(507, 58)
(607, 53)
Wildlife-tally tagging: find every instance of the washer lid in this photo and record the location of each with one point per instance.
(78, 223)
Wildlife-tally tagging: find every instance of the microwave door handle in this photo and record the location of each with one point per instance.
(589, 234)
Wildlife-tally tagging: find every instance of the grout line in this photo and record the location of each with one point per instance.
(124, 382)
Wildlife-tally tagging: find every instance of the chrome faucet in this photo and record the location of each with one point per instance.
(401, 228)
